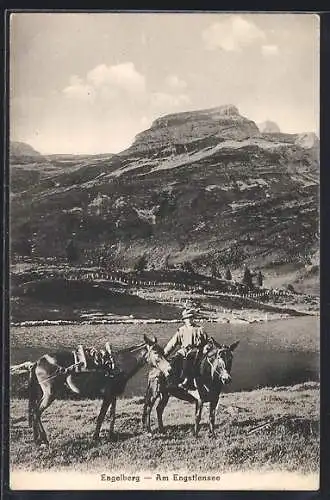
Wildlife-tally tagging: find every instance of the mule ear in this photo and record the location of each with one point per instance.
(233, 346)
(154, 339)
(149, 341)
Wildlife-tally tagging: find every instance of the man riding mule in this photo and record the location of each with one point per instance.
(211, 372)
(191, 339)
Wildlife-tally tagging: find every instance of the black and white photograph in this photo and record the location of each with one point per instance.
(164, 251)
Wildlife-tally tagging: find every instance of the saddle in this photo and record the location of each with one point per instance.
(91, 359)
(194, 356)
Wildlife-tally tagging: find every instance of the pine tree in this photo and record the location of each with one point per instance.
(187, 267)
(166, 262)
(247, 278)
(228, 275)
(72, 253)
(260, 279)
(141, 264)
(214, 270)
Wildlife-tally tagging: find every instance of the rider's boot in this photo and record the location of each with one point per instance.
(188, 383)
(184, 384)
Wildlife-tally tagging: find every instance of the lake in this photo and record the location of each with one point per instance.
(272, 353)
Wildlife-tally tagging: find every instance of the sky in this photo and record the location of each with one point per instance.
(89, 82)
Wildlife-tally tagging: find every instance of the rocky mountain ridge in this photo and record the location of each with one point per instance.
(204, 186)
(189, 131)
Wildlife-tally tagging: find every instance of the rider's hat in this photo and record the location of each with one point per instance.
(188, 313)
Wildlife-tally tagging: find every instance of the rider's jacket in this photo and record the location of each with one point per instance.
(186, 337)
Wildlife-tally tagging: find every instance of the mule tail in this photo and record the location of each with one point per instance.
(33, 392)
(21, 368)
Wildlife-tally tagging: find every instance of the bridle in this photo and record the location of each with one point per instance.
(216, 356)
(147, 355)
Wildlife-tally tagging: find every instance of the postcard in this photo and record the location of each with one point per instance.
(164, 251)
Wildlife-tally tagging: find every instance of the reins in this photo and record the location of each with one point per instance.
(62, 371)
(132, 349)
(216, 356)
(213, 369)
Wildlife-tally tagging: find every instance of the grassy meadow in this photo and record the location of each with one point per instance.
(289, 442)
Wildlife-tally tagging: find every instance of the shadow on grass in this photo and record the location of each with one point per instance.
(87, 442)
(18, 420)
(182, 430)
(119, 436)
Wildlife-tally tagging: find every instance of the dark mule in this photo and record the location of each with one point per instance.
(212, 372)
(53, 371)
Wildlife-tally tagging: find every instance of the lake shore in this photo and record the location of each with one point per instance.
(232, 316)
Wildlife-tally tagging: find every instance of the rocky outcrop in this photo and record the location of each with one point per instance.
(191, 131)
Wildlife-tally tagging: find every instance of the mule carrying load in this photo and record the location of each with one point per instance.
(90, 373)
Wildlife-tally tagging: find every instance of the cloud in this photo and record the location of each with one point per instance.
(107, 82)
(117, 102)
(269, 50)
(175, 83)
(122, 76)
(79, 90)
(162, 100)
(232, 34)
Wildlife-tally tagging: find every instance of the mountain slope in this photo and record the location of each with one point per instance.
(22, 149)
(204, 186)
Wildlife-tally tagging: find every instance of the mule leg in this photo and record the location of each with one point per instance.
(152, 393)
(38, 429)
(148, 412)
(144, 415)
(198, 415)
(35, 426)
(33, 419)
(146, 407)
(100, 419)
(160, 410)
(213, 407)
(112, 417)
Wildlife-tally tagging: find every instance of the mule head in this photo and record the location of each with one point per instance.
(155, 355)
(223, 362)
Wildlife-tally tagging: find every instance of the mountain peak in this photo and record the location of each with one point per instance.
(189, 130)
(227, 110)
(201, 186)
